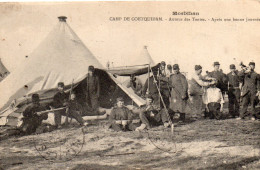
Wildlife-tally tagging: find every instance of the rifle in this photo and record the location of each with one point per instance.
(51, 110)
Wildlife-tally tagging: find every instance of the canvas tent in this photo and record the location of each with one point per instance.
(3, 71)
(60, 57)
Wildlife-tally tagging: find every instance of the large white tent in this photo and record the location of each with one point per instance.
(61, 57)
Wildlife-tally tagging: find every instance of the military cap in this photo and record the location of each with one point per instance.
(216, 63)
(169, 66)
(119, 99)
(175, 67)
(91, 68)
(252, 63)
(60, 84)
(163, 63)
(198, 67)
(148, 96)
(35, 97)
(232, 66)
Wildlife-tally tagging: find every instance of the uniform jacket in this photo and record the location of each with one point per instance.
(251, 82)
(152, 86)
(233, 80)
(91, 86)
(30, 112)
(179, 92)
(221, 79)
(122, 113)
(59, 99)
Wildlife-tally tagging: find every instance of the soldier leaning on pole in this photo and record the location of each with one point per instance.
(153, 91)
(233, 91)
(250, 90)
(152, 115)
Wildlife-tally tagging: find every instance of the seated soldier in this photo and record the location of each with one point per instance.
(214, 101)
(121, 117)
(151, 115)
(31, 119)
(75, 110)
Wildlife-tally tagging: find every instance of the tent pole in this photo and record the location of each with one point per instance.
(163, 104)
(148, 78)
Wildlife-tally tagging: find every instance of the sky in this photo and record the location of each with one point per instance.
(24, 25)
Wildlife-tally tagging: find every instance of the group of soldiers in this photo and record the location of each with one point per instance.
(166, 92)
(202, 96)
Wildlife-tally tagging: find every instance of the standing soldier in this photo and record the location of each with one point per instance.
(163, 85)
(198, 83)
(153, 91)
(135, 84)
(169, 70)
(59, 100)
(250, 90)
(233, 91)
(179, 92)
(219, 76)
(92, 89)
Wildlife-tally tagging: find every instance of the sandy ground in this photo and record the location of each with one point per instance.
(203, 144)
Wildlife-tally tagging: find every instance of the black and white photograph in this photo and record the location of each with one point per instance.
(130, 85)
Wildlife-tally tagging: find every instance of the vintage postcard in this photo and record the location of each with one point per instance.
(130, 85)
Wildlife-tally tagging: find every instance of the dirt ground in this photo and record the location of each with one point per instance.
(203, 144)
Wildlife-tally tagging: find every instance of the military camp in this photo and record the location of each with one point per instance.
(106, 93)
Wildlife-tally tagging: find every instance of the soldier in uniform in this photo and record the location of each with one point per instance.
(152, 115)
(250, 90)
(121, 117)
(163, 85)
(31, 119)
(135, 84)
(92, 89)
(198, 84)
(60, 100)
(219, 76)
(169, 70)
(153, 91)
(179, 92)
(233, 91)
(75, 110)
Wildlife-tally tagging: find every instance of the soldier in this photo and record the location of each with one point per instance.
(219, 76)
(31, 119)
(162, 71)
(59, 100)
(121, 117)
(92, 89)
(164, 86)
(179, 92)
(152, 115)
(75, 110)
(169, 70)
(250, 90)
(135, 84)
(233, 91)
(196, 91)
(153, 91)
